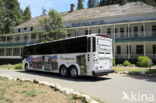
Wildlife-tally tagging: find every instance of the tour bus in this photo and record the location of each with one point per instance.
(89, 55)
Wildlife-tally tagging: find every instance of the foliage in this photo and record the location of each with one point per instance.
(18, 66)
(143, 61)
(44, 11)
(27, 14)
(80, 4)
(92, 3)
(53, 25)
(127, 63)
(10, 15)
(114, 63)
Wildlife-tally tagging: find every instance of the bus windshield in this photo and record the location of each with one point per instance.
(104, 46)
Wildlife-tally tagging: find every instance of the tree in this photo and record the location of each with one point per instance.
(44, 11)
(13, 15)
(27, 14)
(80, 5)
(2, 26)
(53, 25)
(92, 3)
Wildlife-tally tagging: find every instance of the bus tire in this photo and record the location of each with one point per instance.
(63, 71)
(26, 67)
(73, 72)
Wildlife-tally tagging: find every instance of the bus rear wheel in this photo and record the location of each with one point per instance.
(63, 71)
(26, 68)
(73, 72)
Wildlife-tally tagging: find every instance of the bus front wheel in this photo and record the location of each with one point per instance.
(73, 72)
(63, 71)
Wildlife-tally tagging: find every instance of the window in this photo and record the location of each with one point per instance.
(99, 30)
(154, 30)
(94, 44)
(122, 32)
(74, 45)
(118, 49)
(69, 35)
(19, 30)
(16, 51)
(109, 31)
(139, 49)
(2, 51)
(86, 32)
(31, 28)
(136, 31)
(154, 49)
(8, 51)
(142, 29)
(25, 28)
(116, 30)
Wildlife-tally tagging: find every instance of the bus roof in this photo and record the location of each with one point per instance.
(102, 35)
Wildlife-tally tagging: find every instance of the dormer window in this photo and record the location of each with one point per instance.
(25, 28)
(31, 29)
(19, 30)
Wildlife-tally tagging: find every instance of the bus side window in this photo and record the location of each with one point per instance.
(94, 44)
(88, 44)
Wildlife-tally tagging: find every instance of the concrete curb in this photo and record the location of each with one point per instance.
(67, 91)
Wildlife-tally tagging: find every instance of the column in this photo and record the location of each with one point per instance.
(88, 31)
(13, 37)
(101, 29)
(6, 39)
(29, 37)
(114, 42)
(129, 55)
(144, 26)
(4, 51)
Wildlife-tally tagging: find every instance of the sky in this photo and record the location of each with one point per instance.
(37, 5)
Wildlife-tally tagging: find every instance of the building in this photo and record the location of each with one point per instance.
(132, 27)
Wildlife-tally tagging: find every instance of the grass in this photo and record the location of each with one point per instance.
(134, 69)
(10, 66)
(22, 92)
(31, 93)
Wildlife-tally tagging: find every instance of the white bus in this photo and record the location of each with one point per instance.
(84, 55)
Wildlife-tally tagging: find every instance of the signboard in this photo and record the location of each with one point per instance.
(86, 23)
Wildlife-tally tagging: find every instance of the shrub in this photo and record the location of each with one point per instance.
(127, 63)
(114, 63)
(143, 61)
(18, 66)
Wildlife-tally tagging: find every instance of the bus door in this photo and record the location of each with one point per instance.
(47, 63)
(88, 55)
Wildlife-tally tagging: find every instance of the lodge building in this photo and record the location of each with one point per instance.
(132, 27)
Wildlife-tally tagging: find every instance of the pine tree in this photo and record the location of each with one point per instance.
(13, 15)
(27, 14)
(53, 25)
(2, 26)
(92, 3)
(80, 4)
(44, 11)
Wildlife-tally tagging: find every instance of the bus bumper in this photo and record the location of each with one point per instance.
(102, 72)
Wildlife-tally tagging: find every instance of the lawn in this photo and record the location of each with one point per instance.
(27, 92)
(135, 69)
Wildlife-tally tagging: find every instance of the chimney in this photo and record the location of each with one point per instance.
(72, 6)
(123, 2)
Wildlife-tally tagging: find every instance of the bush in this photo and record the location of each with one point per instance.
(114, 63)
(127, 63)
(143, 61)
(18, 66)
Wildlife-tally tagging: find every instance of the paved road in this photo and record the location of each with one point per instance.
(108, 89)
